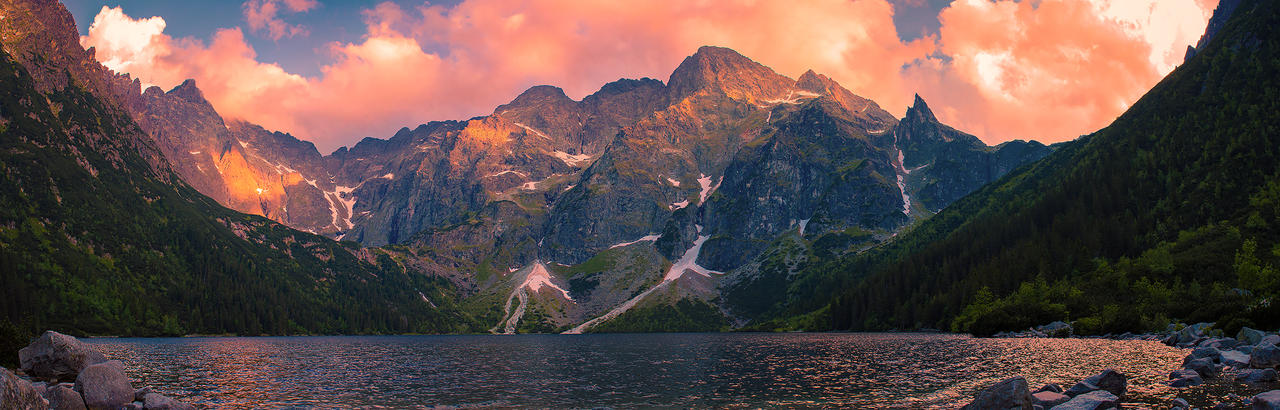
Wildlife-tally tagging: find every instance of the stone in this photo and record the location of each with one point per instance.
(156, 401)
(141, 393)
(1094, 400)
(105, 386)
(1081, 388)
(1269, 340)
(1053, 387)
(62, 398)
(1109, 380)
(1256, 375)
(1250, 336)
(1205, 367)
(1264, 356)
(1056, 329)
(16, 393)
(57, 357)
(1207, 352)
(1185, 378)
(1179, 403)
(1266, 401)
(1008, 394)
(1049, 399)
(1246, 349)
(1234, 358)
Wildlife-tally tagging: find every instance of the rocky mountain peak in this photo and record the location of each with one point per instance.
(919, 112)
(1221, 14)
(537, 95)
(625, 85)
(188, 91)
(723, 69)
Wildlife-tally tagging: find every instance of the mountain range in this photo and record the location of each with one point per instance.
(727, 197)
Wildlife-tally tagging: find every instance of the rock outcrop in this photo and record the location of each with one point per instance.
(100, 384)
(57, 357)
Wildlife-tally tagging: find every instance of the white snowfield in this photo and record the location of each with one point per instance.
(646, 238)
(705, 182)
(680, 205)
(572, 160)
(803, 224)
(902, 172)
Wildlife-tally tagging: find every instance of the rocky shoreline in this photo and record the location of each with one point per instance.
(1251, 357)
(62, 373)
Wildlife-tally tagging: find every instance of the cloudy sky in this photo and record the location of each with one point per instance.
(334, 72)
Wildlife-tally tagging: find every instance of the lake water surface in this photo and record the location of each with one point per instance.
(631, 370)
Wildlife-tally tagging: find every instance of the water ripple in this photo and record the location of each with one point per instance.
(650, 370)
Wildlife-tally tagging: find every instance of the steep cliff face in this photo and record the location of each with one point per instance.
(942, 164)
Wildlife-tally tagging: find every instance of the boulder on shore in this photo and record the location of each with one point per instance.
(155, 401)
(1205, 367)
(1235, 358)
(16, 393)
(1266, 401)
(105, 386)
(1264, 356)
(1056, 329)
(1109, 380)
(1009, 394)
(1256, 375)
(57, 357)
(63, 398)
(1094, 400)
(1250, 336)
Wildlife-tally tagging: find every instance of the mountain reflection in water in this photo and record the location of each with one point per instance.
(632, 370)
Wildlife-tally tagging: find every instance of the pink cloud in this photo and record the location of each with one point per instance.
(1055, 69)
(1049, 72)
(263, 15)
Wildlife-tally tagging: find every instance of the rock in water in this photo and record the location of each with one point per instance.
(1266, 401)
(161, 402)
(1109, 380)
(16, 393)
(57, 357)
(1265, 356)
(1009, 394)
(1094, 400)
(62, 398)
(1048, 399)
(1205, 367)
(1185, 378)
(105, 386)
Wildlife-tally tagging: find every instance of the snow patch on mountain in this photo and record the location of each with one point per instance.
(646, 238)
(572, 160)
(533, 131)
(705, 182)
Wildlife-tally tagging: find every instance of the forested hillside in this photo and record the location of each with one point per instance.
(96, 240)
(1170, 213)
